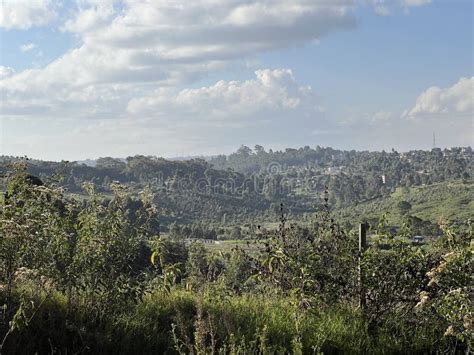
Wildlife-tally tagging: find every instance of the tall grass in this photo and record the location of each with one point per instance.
(199, 323)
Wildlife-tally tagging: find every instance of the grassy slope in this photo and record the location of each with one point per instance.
(453, 201)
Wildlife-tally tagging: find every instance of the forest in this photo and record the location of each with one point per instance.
(250, 184)
(255, 252)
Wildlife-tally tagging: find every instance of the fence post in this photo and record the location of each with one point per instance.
(362, 248)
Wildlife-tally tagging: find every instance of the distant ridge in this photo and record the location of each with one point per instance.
(190, 157)
(89, 162)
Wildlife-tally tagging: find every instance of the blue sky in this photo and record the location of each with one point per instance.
(89, 78)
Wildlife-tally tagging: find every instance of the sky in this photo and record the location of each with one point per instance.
(89, 78)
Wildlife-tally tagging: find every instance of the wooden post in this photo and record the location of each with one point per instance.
(362, 248)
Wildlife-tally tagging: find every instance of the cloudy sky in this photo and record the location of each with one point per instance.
(88, 78)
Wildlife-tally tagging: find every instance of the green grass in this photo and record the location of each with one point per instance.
(248, 322)
(450, 201)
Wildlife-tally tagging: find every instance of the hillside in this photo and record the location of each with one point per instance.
(247, 187)
(449, 201)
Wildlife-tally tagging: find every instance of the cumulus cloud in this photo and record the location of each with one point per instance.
(271, 90)
(271, 94)
(130, 48)
(270, 108)
(90, 15)
(24, 14)
(165, 43)
(125, 82)
(175, 42)
(455, 99)
(5, 71)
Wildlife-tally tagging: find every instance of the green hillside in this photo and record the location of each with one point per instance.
(452, 201)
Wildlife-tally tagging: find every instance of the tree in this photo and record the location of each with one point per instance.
(404, 207)
(110, 163)
(236, 233)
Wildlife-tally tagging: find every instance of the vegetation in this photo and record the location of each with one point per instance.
(425, 206)
(95, 275)
(246, 188)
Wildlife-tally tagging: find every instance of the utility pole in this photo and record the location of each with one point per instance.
(362, 248)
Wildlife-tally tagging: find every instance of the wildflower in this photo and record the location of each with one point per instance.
(468, 322)
(431, 274)
(424, 298)
(456, 291)
(449, 331)
(441, 267)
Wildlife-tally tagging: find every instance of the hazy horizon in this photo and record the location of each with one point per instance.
(227, 153)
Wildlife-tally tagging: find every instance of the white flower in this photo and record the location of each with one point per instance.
(456, 291)
(449, 331)
(424, 298)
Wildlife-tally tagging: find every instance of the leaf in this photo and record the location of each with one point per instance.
(270, 264)
(153, 256)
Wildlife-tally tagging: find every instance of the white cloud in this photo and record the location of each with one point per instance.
(150, 43)
(385, 7)
(177, 41)
(124, 85)
(272, 93)
(380, 7)
(271, 90)
(5, 71)
(381, 117)
(24, 14)
(381, 10)
(27, 47)
(414, 3)
(128, 51)
(270, 108)
(456, 99)
(90, 16)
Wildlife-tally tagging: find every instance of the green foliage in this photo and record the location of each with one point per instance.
(243, 187)
(311, 263)
(94, 275)
(91, 250)
(450, 291)
(404, 207)
(430, 205)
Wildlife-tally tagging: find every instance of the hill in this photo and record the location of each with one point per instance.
(447, 201)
